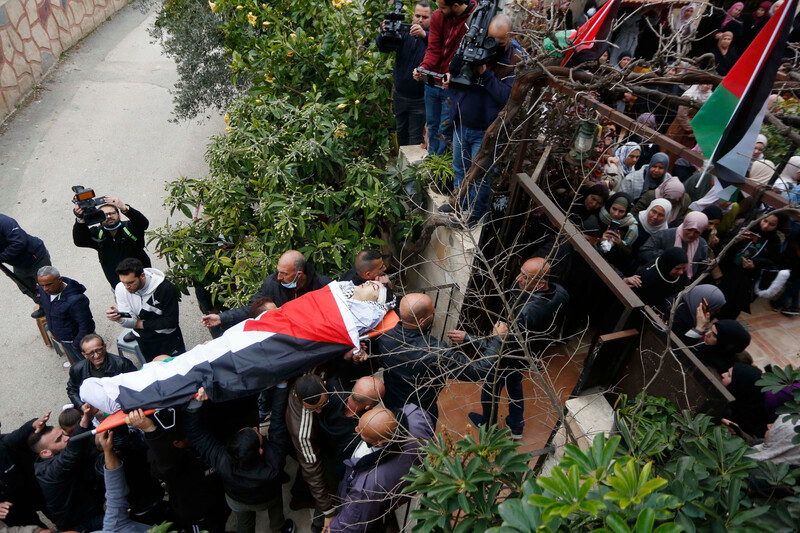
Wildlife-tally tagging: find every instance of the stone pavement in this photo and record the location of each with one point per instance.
(100, 120)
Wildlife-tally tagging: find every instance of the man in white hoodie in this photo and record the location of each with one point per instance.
(148, 303)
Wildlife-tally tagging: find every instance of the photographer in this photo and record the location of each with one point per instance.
(408, 95)
(113, 239)
(448, 26)
(474, 109)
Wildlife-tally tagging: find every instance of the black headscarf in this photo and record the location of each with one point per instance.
(580, 211)
(748, 410)
(732, 338)
(657, 284)
(713, 212)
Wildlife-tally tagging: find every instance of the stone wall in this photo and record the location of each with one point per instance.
(33, 33)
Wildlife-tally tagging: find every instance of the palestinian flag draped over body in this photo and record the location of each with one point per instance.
(248, 358)
(727, 125)
(596, 28)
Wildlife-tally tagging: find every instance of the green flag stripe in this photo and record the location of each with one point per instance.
(711, 120)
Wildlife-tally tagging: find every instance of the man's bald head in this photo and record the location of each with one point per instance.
(533, 275)
(368, 391)
(377, 427)
(292, 268)
(500, 28)
(416, 310)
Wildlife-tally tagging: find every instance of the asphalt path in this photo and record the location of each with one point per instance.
(100, 120)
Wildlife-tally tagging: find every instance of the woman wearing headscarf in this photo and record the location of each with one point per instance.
(682, 24)
(695, 311)
(732, 21)
(778, 445)
(646, 178)
(788, 303)
(687, 237)
(665, 277)
(789, 175)
(622, 163)
(725, 54)
(714, 214)
(672, 190)
(619, 230)
(723, 340)
(627, 35)
(747, 411)
(681, 128)
(754, 23)
(756, 250)
(761, 171)
(589, 202)
(652, 220)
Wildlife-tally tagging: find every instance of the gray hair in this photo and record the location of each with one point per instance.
(48, 271)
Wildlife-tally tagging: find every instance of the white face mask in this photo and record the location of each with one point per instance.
(293, 283)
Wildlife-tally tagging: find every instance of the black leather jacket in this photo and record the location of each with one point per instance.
(113, 366)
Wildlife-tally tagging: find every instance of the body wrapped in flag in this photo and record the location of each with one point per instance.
(253, 355)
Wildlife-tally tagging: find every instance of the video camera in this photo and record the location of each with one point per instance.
(476, 47)
(86, 200)
(394, 23)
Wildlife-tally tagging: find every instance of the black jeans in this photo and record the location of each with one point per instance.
(409, 113)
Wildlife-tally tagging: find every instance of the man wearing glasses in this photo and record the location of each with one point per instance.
(98, 363)
(114, 239)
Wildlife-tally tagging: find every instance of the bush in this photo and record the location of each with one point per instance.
(303, 161)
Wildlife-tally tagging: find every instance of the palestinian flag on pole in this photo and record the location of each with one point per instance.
(248, 358)
(596, 28)
(727, 125)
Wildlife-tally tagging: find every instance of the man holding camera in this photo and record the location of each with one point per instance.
(475, 108)
(113, 239)
(408, 96)
(448, 26)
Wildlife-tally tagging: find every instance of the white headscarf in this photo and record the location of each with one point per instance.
(660, 202)
(788, 178)
(697, 94)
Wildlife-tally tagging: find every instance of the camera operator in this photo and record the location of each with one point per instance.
(474, 109)
(113, 239)
(408, 96)
(448, 26)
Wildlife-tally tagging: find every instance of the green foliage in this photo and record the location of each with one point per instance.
(461, 483)
(165, 527)
(778, 379)
(698, 479)
(303, 161)
(779, 145)
(190, 34)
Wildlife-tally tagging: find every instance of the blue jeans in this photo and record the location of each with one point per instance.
(437, 112)
(511, 380)
(466, 143)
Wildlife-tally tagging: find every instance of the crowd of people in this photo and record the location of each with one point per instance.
(357, 424)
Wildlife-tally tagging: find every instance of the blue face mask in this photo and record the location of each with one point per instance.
(293, 284)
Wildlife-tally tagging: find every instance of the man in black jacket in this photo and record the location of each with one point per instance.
(417, 364)
(195, 489)
(26, 254)
(67, 310)
(250, 466)
(65, 470)
(18, 486)
(368, 266)
(114, 239)
(98, 363)
(295, 277)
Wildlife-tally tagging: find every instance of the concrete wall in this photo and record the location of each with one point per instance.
(33, 33)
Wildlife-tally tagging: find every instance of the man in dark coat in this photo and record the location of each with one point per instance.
(408, 95)
(26, 254)
(114, 239)
(18, 484)
(67, 310)
(416, 364)
(538, 302)
(65, 470)
(295, 277)
(388, 449)
(368, 266)
(98, 363)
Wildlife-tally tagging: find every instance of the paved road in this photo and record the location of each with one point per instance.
(101, 121)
